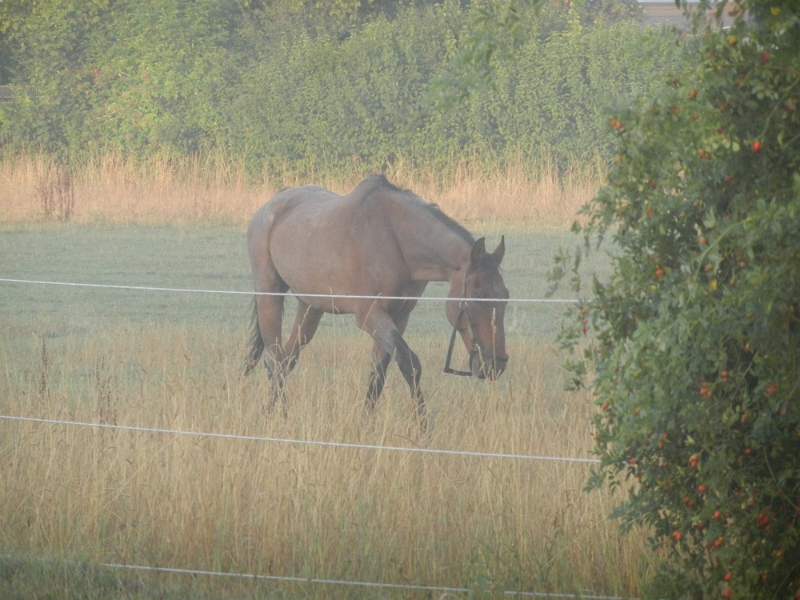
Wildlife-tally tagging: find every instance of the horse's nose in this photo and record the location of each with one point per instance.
(487, 366)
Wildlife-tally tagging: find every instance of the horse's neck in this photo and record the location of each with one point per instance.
(439, 256)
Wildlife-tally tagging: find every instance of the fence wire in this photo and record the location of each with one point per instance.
(366, 584)
(255, 438)
(287, 294)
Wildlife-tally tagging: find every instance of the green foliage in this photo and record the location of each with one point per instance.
(126, 75)
(49, 40)
(364, 99)
(558, 91)
(283, 86)
(692, 347)
(332, 102)
(11, 12)
(496, 33)
(164, 81)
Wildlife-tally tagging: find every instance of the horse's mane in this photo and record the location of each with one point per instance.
(378, 182)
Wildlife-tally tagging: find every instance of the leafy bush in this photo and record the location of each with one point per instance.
(692, 347)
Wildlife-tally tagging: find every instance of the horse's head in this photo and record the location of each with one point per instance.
(480, 322)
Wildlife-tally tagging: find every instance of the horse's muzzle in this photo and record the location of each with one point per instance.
(485, 365)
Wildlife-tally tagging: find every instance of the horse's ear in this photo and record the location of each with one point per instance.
(500, 251)
(478, 252)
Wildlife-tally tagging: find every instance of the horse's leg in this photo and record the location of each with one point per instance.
(303, 329)
(270, 317)
(381, 360)
(383, 330)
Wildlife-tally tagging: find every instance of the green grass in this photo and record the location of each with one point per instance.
(212, 258)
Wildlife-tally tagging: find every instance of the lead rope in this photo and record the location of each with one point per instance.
(472, 338)
(447, 368)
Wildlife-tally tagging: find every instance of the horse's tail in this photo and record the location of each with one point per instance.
(255, 346)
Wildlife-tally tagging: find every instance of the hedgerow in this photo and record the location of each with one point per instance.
(275, 84)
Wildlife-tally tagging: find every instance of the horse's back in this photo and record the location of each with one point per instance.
(311, 206)
(283, 202)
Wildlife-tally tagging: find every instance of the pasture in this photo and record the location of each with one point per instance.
(173, 360)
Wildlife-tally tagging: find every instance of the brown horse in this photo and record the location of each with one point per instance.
(378, 240)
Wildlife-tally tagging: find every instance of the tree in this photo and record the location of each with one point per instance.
(692, 347)
(140, 76)
(46, 43)
(11, 12)
(162, 74)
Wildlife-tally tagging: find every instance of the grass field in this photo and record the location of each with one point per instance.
(73, 498)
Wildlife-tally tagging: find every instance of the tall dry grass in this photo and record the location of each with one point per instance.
(110, 188)
(293, 509)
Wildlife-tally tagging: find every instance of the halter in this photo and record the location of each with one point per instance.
(472, 338)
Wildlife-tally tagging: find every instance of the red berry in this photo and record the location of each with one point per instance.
(756, 146)
(728, 576)
(702, 489)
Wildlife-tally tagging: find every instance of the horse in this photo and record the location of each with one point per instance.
(370, 254)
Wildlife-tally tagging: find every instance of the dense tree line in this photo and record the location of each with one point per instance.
(324, 83)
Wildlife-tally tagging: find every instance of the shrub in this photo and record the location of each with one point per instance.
(692, 347)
